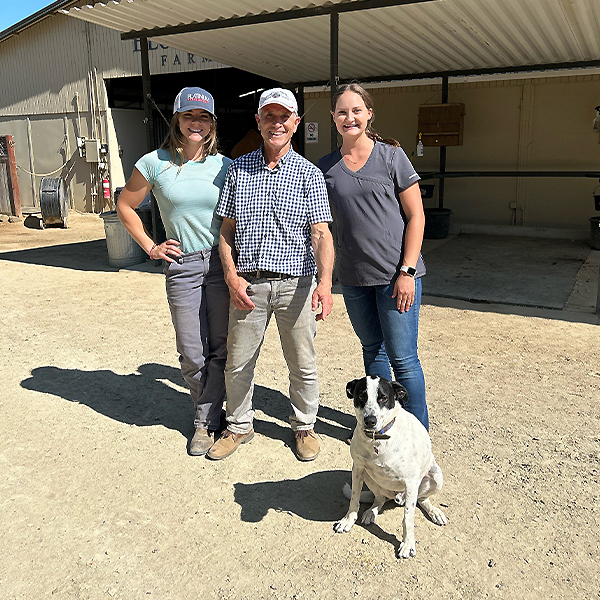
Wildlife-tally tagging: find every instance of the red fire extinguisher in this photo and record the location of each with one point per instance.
(106, 187)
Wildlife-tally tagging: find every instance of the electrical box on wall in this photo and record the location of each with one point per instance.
(441, 124)
(92, 150)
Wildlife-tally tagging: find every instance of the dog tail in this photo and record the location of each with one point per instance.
(365, 495)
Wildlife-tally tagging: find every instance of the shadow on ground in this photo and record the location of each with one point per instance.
(315, 497)
(142, 398)
(147, 397)
(81, 256)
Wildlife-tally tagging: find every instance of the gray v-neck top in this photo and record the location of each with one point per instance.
(367, 214)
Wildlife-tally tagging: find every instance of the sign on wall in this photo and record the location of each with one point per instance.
(171, 60)
(311, 132)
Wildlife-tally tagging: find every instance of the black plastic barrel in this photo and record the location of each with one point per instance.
(595, 233)
(54, 202)
(437, 223)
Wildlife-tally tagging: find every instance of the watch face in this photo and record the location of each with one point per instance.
(409, 271)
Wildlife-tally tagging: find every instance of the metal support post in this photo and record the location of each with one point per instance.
(302, 132)
(334, 66)
(147, 92)
(443, 148)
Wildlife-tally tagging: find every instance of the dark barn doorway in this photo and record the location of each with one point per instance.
(236, 96)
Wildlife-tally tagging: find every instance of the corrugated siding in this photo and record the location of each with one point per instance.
(43, 68)
(445, 35)
(47, 64)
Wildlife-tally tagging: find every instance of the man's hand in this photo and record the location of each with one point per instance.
(238, 291)
(238, 286)
(322, 243)
(322, 295)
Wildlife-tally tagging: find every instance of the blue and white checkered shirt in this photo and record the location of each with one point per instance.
(273, 210)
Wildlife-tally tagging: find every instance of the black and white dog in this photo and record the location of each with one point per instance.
(391, 453)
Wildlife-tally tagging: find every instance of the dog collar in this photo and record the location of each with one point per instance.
(382, 433)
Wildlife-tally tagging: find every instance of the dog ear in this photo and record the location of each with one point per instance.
(350, 387)
(400, 392)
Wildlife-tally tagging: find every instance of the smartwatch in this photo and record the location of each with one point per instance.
(410, 271)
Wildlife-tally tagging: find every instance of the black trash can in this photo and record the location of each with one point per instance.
(437, 223)
(595, 232)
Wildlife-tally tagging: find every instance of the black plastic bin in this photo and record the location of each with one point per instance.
(437, 223)
(595, 232)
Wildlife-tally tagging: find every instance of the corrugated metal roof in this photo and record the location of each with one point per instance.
(429, 37)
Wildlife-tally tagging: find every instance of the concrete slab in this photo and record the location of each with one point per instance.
(538, 272)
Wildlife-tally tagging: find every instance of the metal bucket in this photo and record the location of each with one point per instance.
(123, 250)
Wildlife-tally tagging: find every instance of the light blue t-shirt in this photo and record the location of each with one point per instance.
(187, 198)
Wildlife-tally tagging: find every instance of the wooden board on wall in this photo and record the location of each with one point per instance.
(441, 124)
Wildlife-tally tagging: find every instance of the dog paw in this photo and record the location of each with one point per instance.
(344, 525)
(369, 517)
(406, 550)
(437, 516)
(433, 512)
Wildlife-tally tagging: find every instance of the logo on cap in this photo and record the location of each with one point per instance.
(198, 98)
(279, 96)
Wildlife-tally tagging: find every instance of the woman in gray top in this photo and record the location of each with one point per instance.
(379, 220)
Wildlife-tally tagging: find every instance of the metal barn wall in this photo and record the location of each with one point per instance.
(527, 124)
(47, 64)
(53, 92)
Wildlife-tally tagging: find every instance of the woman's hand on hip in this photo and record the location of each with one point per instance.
(168, 251)
(404, 292)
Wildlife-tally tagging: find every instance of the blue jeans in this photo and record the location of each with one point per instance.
(389, 337)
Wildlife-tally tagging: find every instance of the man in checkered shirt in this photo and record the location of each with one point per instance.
(274, 236)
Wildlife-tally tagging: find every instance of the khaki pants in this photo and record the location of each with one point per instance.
(290, 301)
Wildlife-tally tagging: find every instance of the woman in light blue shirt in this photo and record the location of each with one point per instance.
(186, 175)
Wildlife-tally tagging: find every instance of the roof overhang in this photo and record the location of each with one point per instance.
(289, 40)
(36, 17)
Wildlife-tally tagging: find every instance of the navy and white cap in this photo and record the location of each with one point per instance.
(190, 98)
(279, 96)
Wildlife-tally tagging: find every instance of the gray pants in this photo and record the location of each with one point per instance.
(290, 301)
(199, 302)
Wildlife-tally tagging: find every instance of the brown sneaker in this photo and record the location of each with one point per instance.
(201, 442)
(307, 445)
(228, 443)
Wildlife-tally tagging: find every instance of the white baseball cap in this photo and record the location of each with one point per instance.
(279, 96)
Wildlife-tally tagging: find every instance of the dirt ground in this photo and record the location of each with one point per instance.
(99, 498)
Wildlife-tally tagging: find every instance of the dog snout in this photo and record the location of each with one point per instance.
(370, 421)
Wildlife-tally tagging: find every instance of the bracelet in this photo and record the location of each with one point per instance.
(150, 253)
